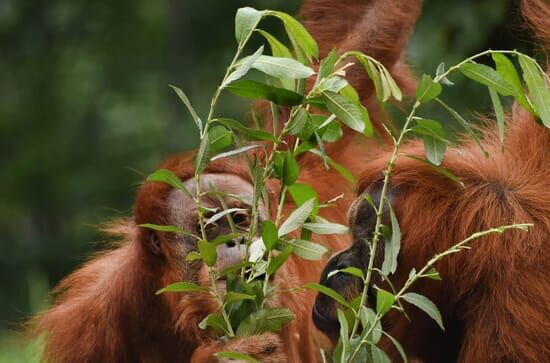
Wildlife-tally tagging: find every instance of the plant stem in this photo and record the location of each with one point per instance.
(380, 210)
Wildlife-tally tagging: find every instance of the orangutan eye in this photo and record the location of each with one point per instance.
(241, 219)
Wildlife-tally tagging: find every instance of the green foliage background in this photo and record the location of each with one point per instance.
(86, 113)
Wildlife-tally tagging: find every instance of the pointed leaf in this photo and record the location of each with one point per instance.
(326, 228)
(247, 133)
(242, 67)
(426, 305)
(269, 234)
(278, 49)
(187, 103)
(384, 301)
(279, 260)
(427, 89)
(257, 90)
(235, 152)
(182, 287)
(297, 218)
(279, 67)
(329, 292)
(392, 246)
(487, 76)
(499, 113)
(298, 33)
(307, 250)
(538, 91)
(168, 177)
(433, 136)
(246, 21)
(265, 320)
(347, 111)
(208, 252)
(508, 72)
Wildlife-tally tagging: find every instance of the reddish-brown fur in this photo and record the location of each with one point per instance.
(106, 311)
(495, 298)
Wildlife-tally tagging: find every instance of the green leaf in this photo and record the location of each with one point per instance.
(499, 112)
(235, 152)
(354, 271)
(168, 177)
(203, 155)
(278, 49)
(297, 123)
(236, 356)
(308, 250)
(374, 75)
(237, 296)
(193, 256)
(392, 246)
(298, 34)
(427, 89)
(378, 355)
(433, 136)
(280, 67)
(208, 252)
(344, 332)
(384, 301)
(438, 169)
(329, 292)
(426, 305)
(326, 228)
(327, 64)
(187, 103)
(242, 67)
(508, 72)
(215, 321)
(464, 124)
(432, 274)
(246, 21)
(222, 214)
(301, 193)
(247, 133)
(538, 91)
(265, 320)
(487, 76)
(297, 218)
(269, 234)
(394, 89)
(351, 94)
(182, 287)
(368, 319)
(220, 138)
(257, 90)
(278, 260)
(332, 132)
(348, 112)
(291, 169)
(160, 228)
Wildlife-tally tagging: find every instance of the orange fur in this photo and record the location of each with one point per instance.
(107, 310)
(495, 298)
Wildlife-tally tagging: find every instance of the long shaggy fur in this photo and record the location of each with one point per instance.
(106, 311)
(495, 298)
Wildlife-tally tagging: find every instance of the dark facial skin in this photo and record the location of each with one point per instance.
(362, 220)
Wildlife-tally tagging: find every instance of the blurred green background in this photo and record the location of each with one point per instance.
(85, 113)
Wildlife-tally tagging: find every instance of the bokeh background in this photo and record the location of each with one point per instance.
(86, 113)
